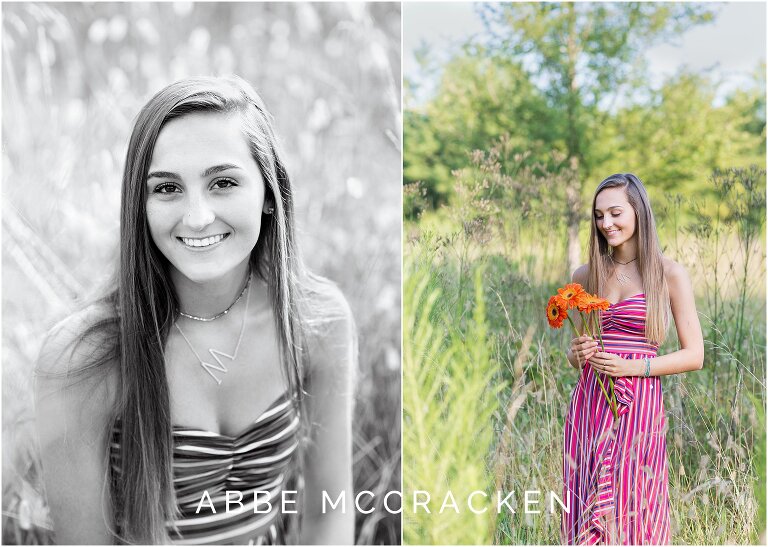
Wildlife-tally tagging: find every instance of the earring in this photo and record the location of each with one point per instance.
(269, 210)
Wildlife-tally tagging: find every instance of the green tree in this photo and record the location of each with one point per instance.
(582, 55)
(678, 137)
(480, 97)
(750, 104)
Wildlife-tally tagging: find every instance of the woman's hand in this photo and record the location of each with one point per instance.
(582, 349)
(613, 365)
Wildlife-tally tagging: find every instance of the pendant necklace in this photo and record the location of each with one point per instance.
(621, 277)
(215, 353)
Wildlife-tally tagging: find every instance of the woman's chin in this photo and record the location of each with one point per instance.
(209, 275)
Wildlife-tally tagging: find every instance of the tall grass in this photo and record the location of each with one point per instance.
(716, 436)
(449, 400)
(74, 76)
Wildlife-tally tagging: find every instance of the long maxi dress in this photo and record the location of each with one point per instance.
(615, 474)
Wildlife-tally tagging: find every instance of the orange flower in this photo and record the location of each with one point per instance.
(590, 302)
(556, 312)
(583, 301)
(571, 294)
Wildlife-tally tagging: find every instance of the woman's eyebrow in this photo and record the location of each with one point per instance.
(609, 208)
(163, 175)
(207, 173)
(217, 169)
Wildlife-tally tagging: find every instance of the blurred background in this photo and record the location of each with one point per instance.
(513, 114)
(74, 76)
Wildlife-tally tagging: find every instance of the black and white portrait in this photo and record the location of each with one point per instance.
(201, 284)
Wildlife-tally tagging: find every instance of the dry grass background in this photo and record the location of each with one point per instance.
(75, 75)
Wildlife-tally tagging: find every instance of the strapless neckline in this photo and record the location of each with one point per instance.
(258, 458)
(275, 407)
(627, 299)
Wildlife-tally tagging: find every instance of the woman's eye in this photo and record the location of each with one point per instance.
(166, 188)
(224, 183)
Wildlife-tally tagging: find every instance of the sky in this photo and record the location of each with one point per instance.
(730, 48)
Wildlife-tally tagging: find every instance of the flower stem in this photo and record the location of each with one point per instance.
(611, 400)
(612, 383)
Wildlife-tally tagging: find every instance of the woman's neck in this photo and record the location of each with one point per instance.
(211, 297)
(625, 252)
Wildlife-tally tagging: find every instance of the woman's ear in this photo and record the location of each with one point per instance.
(269, 205)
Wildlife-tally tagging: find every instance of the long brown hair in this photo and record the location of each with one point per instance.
(650, 261)
(142, 493)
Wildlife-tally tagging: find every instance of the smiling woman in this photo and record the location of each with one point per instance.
(615, 466)
(216, 362)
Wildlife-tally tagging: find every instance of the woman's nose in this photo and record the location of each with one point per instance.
(199, 214)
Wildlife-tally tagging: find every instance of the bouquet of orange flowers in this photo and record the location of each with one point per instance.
(588, 305)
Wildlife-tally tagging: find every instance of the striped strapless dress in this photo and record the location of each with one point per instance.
(615, 472)
(257, 459)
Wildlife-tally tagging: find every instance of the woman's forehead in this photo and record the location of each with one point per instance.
(611, 197)
(200, 137)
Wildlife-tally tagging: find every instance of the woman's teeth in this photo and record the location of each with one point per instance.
(204, 242)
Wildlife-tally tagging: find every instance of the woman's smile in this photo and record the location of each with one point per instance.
(206, 243)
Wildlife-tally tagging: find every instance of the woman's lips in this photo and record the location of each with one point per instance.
(202, 242)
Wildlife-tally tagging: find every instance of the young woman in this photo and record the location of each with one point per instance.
(217, 369)
(615, 470)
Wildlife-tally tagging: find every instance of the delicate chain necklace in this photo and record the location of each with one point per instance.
(223, 313)
(622, 263)
(621, 277)
(215, 353)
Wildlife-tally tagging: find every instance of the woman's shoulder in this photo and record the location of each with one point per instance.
(326, 306)
(673, 271)
(77, 377)
(79, 342)
(581, 274)
(675, 275)
(330, 332)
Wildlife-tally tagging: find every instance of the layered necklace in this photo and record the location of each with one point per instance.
(621, 277)
(215, 353)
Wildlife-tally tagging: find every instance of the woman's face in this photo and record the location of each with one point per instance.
(614, 216)
(205, 196)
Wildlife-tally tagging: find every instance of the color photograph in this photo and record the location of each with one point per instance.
(584, 273)
(201, 272)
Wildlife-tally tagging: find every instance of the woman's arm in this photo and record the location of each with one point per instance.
(72, 413)
(689, 357)
(333, 360)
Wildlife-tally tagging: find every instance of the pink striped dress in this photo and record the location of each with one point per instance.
(615, 471)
